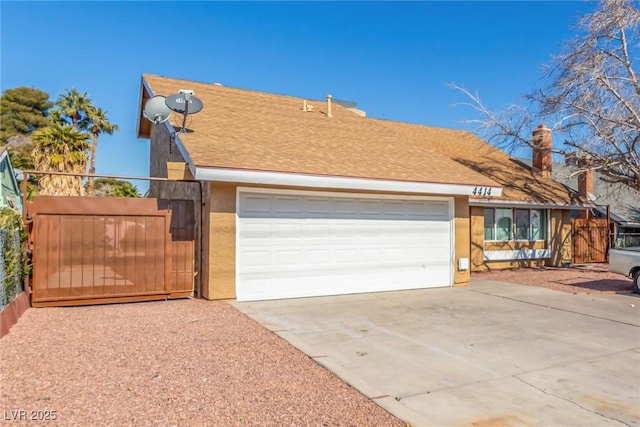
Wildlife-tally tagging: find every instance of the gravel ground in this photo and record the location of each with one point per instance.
(184, 362)
(588, 279)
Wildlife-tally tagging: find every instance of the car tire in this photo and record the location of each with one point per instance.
(636, 282)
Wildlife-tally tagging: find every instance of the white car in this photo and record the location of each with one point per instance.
(626, 261)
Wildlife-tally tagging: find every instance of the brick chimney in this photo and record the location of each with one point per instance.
(541, 164)
(585, 178)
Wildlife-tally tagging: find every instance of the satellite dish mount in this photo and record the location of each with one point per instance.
(156, 110)
(185, 103)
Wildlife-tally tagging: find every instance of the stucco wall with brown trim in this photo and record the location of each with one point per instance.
(560, 243)
(222, 238)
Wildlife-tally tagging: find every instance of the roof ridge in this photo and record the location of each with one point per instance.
(223, 86)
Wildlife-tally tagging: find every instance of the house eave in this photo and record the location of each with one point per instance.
(527, 204)
(244, 176)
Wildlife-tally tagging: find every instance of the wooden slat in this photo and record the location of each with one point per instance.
(590, 240)
(89, 256)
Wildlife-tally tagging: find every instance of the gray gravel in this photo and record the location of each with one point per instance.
(185, 362)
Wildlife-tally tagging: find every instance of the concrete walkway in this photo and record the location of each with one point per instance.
(492, 354)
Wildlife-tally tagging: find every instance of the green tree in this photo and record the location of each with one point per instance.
(22, 110)
(62, 149)
(97, 123)
(73, 105)
(111, 187)
(127, 189)
(20, 149)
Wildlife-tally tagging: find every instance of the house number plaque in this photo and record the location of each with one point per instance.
(481, 191)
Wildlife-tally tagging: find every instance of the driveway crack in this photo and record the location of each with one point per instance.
(571, 401)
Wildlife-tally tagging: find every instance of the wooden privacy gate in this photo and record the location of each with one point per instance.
(95, 250)
(590, 240)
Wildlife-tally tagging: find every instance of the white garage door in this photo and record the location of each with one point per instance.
(293, 244)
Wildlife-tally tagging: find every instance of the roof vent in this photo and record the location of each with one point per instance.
(217, 84)
(329, 106)
(306, 106)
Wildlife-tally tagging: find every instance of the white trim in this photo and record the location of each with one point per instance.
(302, 180)
(525, 204)
(516, 254)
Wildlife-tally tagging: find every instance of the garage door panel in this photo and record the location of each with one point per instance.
(255, 205)
(287, 258)
(319, 206)
(303, 245)
(290, 285)
(346, 256)
(257, 259)
(288, 230)
(285, 205)
(344, 207)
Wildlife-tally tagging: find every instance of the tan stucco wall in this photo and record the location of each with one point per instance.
(222, 239)
(462, 240)
(560, 246)
(477, 238)
(561, 243)
(222, 242)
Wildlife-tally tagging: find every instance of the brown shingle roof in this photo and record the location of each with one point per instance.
(516, 179)
(243, 129)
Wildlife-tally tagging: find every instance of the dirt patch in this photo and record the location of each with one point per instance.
(587, 279)
(186, 362)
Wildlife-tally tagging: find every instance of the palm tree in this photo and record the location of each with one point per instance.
(96, 122)
(60, 148)
(74, 105)
(56, 116)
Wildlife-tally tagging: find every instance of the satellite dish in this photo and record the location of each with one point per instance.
(156, 110)
(184, 103)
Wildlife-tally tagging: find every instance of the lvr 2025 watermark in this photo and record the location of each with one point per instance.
(28, 415)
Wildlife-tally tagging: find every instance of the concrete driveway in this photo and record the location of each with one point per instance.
(492, 354)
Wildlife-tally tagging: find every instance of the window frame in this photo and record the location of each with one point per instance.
(541, 229)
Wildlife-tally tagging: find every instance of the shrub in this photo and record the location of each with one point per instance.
(14, 265)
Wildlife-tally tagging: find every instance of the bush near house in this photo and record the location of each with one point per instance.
(14, 265)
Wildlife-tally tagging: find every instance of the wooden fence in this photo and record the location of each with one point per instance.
(590, 240)
(92, 250)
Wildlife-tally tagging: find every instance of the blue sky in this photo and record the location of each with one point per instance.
(395, 59)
